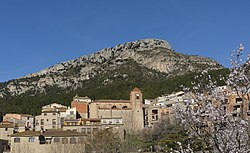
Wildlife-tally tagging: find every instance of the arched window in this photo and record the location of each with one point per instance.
(125, 107)
(137, 96)
(113, 107)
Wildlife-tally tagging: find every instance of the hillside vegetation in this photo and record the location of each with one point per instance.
(119, 89)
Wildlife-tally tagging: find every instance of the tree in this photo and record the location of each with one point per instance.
(103, 141)
(164, 136)
(206, 117)
(239, 77)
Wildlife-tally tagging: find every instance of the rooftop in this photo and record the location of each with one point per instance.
(48, 133)
(7, 126)
(136, 90)
(112, 101)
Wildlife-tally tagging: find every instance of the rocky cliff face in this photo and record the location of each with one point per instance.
(152, 54)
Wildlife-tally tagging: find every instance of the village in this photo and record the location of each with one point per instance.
(67, 126)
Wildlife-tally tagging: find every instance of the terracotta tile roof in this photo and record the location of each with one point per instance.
(13, 115)
(7, 126)
(49, 133)
(85, 97)
(26, 115)
(6, 122)
(136, 90)
(111, 101)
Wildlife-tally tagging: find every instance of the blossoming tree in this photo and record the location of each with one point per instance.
(206, 115)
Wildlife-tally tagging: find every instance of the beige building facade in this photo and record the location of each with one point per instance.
(128, 114)
(52, 117)
(118, 114)
(22, 121)
(51, 141)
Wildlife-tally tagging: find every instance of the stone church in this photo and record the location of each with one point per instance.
(122, 114)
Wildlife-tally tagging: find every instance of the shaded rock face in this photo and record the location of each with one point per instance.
(152, 54)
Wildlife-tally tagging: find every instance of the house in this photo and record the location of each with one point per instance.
(83, 125)
(164, 107)
(87, 116)
(52, 117)
(81, 104)
(49, 141)
(234, 104)
(22, 121)
(4, 146)
(6, 130)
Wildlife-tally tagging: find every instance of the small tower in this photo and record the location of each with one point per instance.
(82, 105)
(136, 98)
(136, 102)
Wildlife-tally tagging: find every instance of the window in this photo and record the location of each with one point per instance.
(71, 112)
(137, 96)
(28, 124)
(42, 121)
(169, 105)
(47, 120)
(83, 130)
(48, 140)
(45, 114)
(81, 139)
(237, 107)
(6, 129)
(64, 140)
(16, 140)
(114, 107)
(238, 100)
(31, 139)
(88, 130)
(54, 113)
(37, 123)
(56, 140)
(155, 111)
(72, 140)
(54, 121)
(42, 139)
(125, 107)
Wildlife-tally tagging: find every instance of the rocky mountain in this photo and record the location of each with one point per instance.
(150, 59)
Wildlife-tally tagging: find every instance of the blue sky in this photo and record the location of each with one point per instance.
(36, 34)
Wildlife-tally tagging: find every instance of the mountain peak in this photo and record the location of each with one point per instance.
(153, 42)
(143, 44)
(149, 56)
